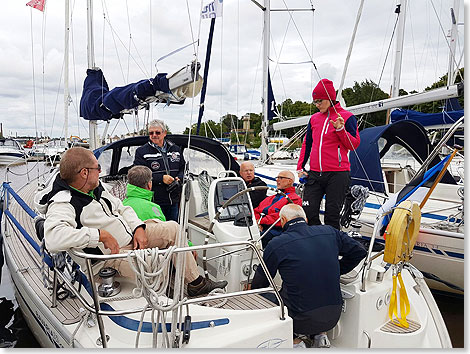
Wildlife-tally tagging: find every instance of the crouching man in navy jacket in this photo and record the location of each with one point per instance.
(307, 260)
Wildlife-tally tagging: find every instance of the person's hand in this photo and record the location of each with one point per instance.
(167, 179)
(109, 241)
(302, 174)
(260, 227)
(338, 123)
(140, 239)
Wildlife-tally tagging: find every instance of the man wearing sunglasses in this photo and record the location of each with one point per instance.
(267, 212)
(166, 161)
(331, 134)
(80, 213)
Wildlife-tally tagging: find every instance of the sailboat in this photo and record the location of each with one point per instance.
(78, 307)
(440, 250)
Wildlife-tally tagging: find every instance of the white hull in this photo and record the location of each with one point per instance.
(12, 158)
(437, 251)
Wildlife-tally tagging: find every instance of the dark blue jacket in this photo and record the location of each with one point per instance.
(172, 164)
(307, 260)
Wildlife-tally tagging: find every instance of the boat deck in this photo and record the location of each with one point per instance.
(29, 261)
(68, 310)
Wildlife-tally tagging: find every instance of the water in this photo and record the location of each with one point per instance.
(15, 332)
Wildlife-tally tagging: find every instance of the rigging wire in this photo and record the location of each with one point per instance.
(34, 81)
(115, 46)
(445, 37)
(43, 42)
(130, 40)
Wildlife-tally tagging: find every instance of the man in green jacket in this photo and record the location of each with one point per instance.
(139, 198)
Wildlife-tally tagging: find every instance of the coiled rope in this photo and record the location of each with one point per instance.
(354, 203)
(152, 281)
(204, 181)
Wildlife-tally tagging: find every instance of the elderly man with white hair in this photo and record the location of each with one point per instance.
(247, 172)
(307, 260)
(267, 212)
(166, 161)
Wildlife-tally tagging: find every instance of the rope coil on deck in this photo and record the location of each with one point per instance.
(152, 281)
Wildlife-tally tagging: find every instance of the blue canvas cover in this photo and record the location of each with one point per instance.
(365, 161)
(427, 119)
(100, 103)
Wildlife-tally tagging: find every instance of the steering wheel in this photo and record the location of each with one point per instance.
(224, 206)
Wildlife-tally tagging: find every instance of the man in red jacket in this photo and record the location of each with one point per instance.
(267, 212)
(331, 134)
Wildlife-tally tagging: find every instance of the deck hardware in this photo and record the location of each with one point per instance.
(387, 298)
(108, 287)
(99, 341)
(369, 341)
(380, 303)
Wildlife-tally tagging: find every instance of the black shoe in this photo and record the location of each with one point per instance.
(205, 287)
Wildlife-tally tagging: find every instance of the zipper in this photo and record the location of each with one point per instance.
(323, 131)
(339, 156)
(107, 214)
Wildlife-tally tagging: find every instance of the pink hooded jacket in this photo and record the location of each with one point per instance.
(327, 147)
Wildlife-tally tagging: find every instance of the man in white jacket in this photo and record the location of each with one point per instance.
(80, 213)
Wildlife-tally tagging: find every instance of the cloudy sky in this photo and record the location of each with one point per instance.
(130, 36)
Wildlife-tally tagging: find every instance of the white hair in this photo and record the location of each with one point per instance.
(247, 163)
(157, 123)
(292, 211)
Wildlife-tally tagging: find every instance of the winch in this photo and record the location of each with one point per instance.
(108, 286)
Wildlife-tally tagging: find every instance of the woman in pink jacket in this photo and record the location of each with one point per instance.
(331, 134)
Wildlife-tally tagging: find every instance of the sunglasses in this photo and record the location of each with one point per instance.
(155, 133)
(315, 102)
(91, 168)
(282, 177)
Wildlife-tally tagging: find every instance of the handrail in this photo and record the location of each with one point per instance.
(21, 202)
(96, 308)
(190, 249)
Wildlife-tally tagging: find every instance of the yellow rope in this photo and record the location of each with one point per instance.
(404, 304)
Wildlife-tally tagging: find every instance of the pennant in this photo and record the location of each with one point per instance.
(37, 4)
(213, 10)
(272, 108)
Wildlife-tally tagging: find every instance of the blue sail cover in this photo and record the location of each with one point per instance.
(427, 119)
(100, 103)
(365, 161)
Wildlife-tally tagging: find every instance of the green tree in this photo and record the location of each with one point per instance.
(364, 92)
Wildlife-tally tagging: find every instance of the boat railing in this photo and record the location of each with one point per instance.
(90, 285)
(92, 289)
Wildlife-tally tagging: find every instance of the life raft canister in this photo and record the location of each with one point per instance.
(402, 232)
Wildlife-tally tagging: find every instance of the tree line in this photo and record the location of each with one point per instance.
(364, 92)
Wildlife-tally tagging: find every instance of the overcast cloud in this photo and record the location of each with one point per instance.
(234, 84)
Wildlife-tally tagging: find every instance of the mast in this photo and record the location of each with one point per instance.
(93, 126)
(339, 97)
(66, 71)
(264, 128)
(401, 11)
(453, 34)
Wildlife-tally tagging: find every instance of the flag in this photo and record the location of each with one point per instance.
(37, 4)
(272, 108)
(213, 9)
(415, 190)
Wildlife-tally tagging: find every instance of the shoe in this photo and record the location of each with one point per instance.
(205, 287)
(301, 344)
(321, 341)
